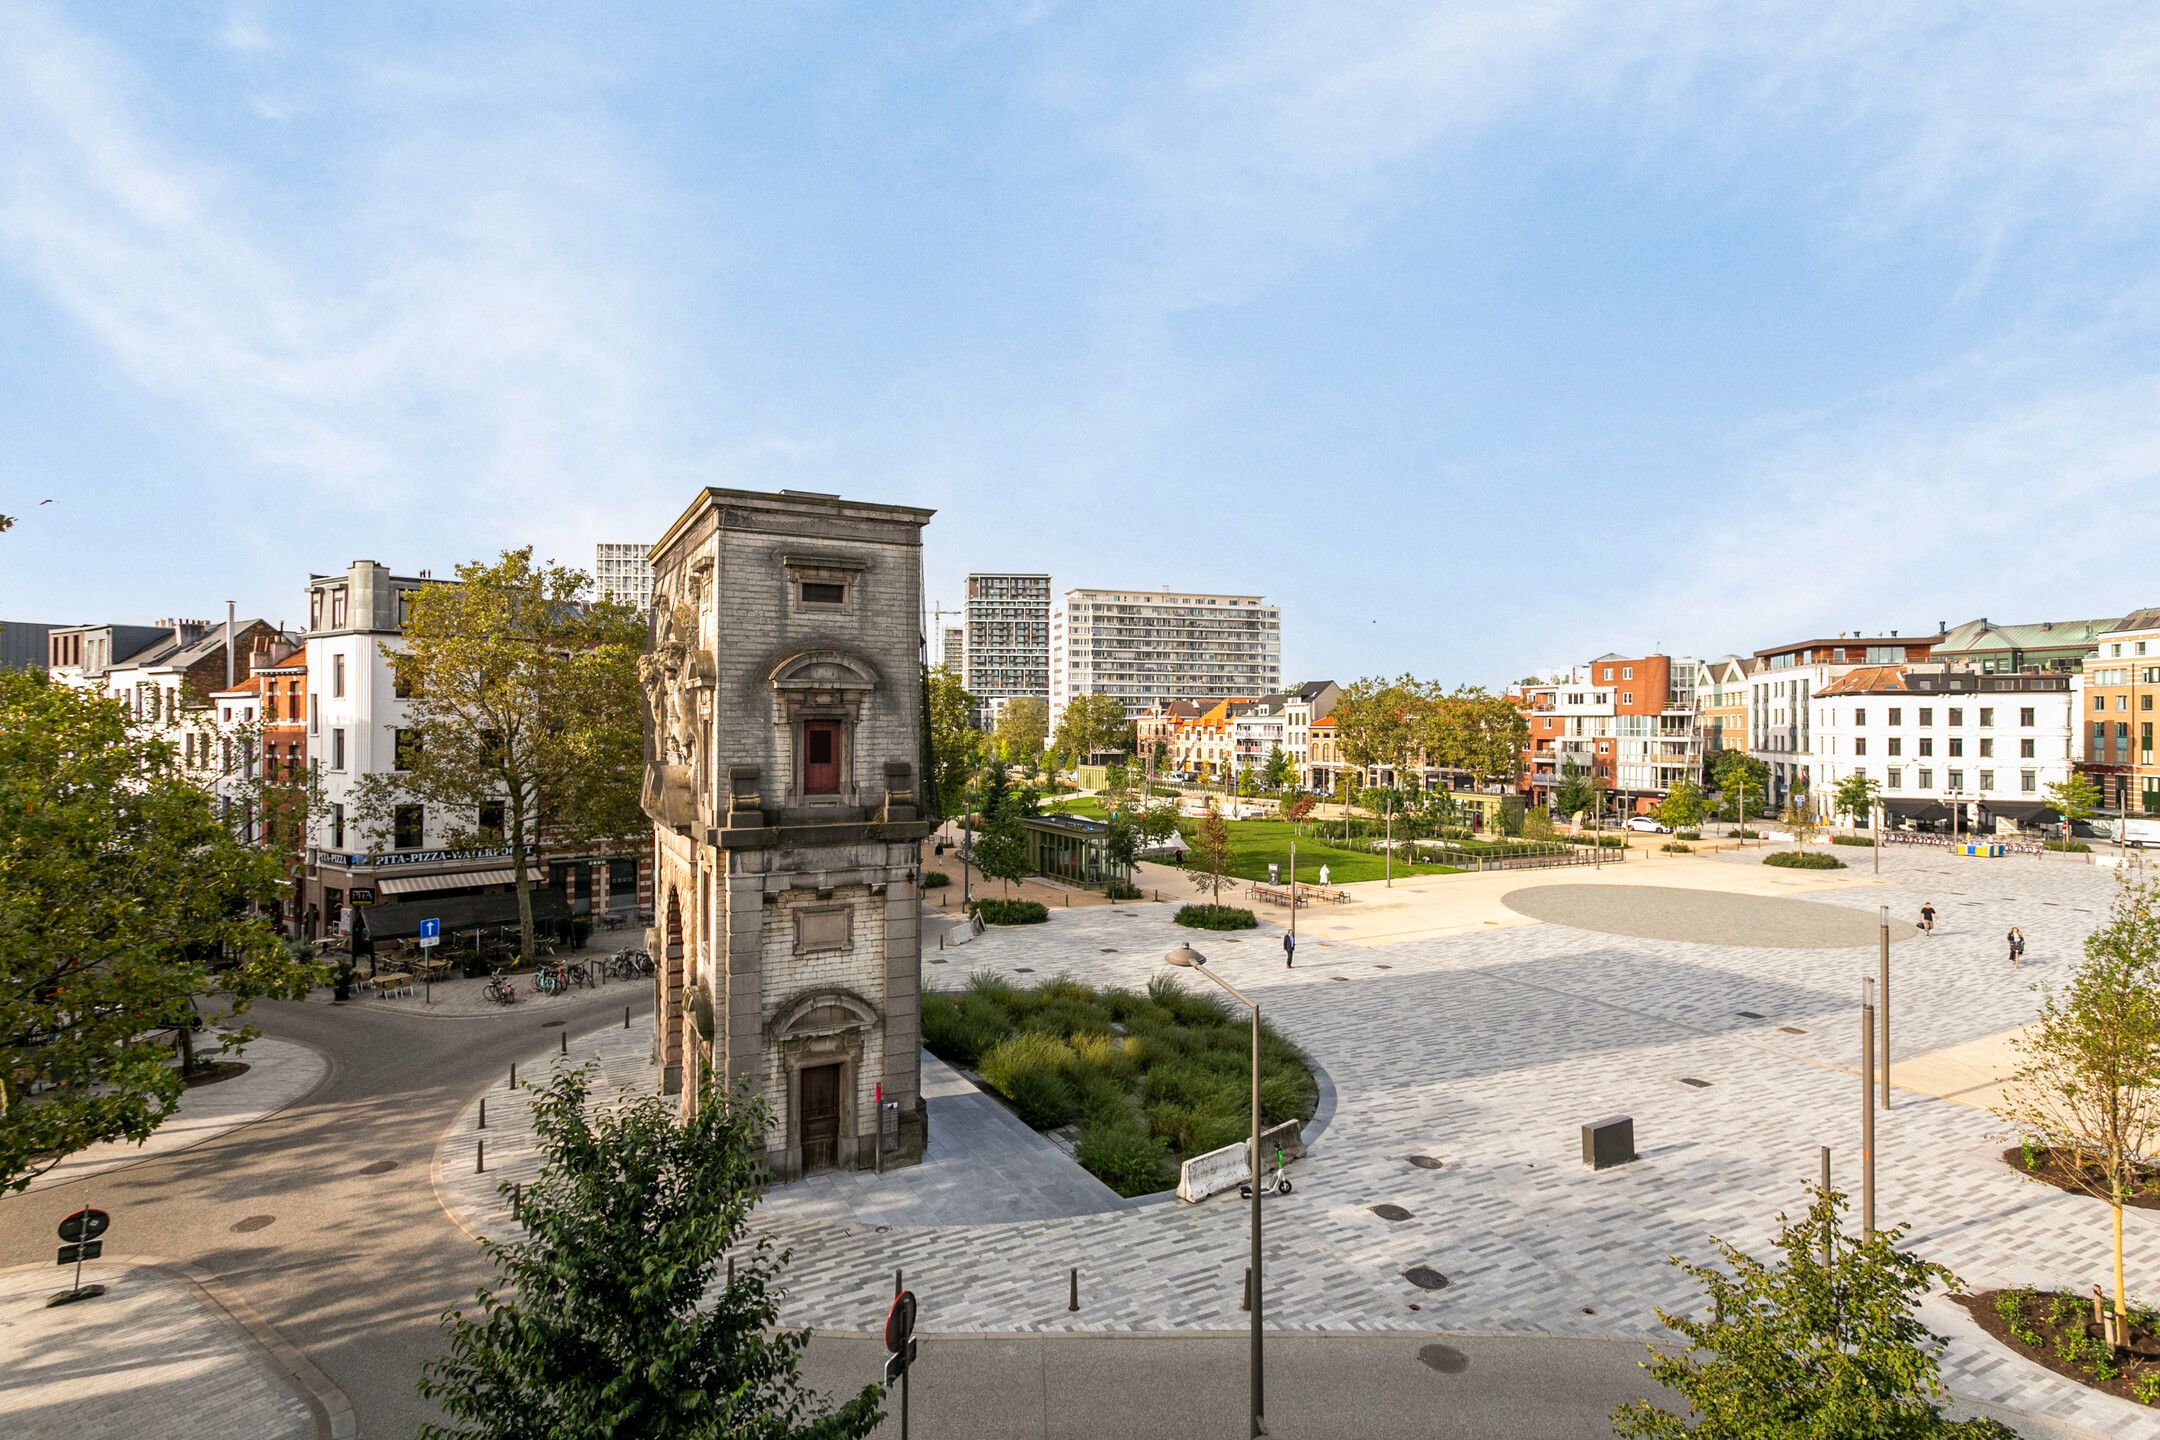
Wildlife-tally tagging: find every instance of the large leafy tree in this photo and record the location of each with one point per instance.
(1794, 1349)
(1091, 724)
(1378, 722)
(1576, 792)
(1278, 772)
(1022, 727)
(955, 744)
(1735, 772)
(1683, 806)
(2088, 1077)
(522, 692)
(1001, 846)
(123, 896)
(612, 1315)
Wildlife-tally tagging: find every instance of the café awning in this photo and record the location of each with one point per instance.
(2025, 812)
(453, 880)
(457, 912)
(1916, 809)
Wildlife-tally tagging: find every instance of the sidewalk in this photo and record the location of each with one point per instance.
(279, 1072)
(164, 1352)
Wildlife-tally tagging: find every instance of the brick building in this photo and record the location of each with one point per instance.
(2117, 711)
(1627, 722)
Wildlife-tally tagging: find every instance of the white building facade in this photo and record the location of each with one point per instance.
(1782, 685)
(1948, 748)
(1145, 646)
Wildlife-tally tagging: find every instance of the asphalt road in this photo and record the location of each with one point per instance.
(357, 1260)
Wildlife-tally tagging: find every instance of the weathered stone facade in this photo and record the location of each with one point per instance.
(784, 693)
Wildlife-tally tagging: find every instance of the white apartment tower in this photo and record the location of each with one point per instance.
(1145, 646)
(1005, 651)
(623, 573)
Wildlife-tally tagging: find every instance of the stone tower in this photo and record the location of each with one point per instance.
(785, 711)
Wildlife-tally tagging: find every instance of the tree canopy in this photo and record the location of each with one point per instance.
(522, 693)
(1023, 727)
(955, 744)
(1409, 724)
(1091, 724)
(123, 895)
(613, 1314)
(1734, 771)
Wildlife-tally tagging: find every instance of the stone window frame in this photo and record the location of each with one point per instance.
(822, 685)
(842, 570)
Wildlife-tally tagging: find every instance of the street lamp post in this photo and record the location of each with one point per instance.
(967, 846)
(1867, 1107)
(1187, 958)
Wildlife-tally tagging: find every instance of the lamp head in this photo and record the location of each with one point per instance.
(1185, 958)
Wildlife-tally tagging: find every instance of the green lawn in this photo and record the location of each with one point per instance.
(1087, 807)
(1254, 844)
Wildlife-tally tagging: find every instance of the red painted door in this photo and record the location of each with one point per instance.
(821, 757)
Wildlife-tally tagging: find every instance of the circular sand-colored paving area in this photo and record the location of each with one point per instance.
(1702, 917)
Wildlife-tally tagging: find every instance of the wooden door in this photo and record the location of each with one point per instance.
(820, 1116)
(821, 757)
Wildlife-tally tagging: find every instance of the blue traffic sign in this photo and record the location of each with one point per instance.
(430, 932)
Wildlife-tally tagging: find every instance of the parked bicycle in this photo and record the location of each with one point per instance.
(574, 972)
(500, 989)
(628, 964)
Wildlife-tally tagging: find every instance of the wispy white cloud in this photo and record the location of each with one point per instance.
(459, 330)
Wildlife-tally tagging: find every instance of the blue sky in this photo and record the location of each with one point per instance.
(1484, 338)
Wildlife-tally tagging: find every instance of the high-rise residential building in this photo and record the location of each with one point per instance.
(1147, 646)
(1006, 651)
(623, 573)
(952, 649)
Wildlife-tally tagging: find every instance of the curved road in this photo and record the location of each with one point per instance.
(324, 1217)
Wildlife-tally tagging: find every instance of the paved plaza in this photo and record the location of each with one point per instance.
(158, 1354)
(1487, 1050)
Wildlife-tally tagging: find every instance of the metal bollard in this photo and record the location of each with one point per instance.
(483, 1112)
(564, 1036)
(1073, 1303)
(897, 1287)
(1246, 1303)
(513, 1074)
(480, 1158)
(731, 1269)
(626, 1017)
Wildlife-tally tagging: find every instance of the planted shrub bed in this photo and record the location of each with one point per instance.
(1149, 1079)
(2063, 1172)
(1868, 841)
(1216, 917)
(1010, 912)
(1675, 847)
(2068, 847)
(1803, 860)
(935, 880)
(2055, 1328)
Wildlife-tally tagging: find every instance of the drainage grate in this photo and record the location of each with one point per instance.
(1023, 969)
(937, 962)
(1338, 977)
(1425, 1277)
(253, 1222)
(1444, 1358)
(1378, 966)
(1391, 1212)
(1698, 1084)
(378, 1167)
(1749, 1015)
(1791, 1030)
(1108, 951)
(550, 1024)
(1424, 1162)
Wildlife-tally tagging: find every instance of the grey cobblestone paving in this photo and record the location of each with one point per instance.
(147, 1358)
(1489, 1051)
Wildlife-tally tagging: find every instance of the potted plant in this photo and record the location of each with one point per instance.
(341, 982)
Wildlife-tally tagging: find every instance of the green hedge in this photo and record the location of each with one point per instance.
(1603, 842)
(1118, 890)
(1687, 835)
(1010, 912)
(935, 880)
(2069, 847)
(1865, 840)
(1676, 847)
(1217, 917)
(1175, 1083)
(1803, 860)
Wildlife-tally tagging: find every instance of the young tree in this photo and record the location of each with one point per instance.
(123, 896)
(956, 746)
(1278, 772)
(1211, 853)
(1001, 846)
(1801, 819)
(1683, 806)
(1855, 797)
(2074, 798)
(613, 1314)
(1791, 1350)
(1121, 841)
(1298, 810)
(2088, 1076)
(522, 692)
(1158, 822)
(1091, 724)
(1022, 727)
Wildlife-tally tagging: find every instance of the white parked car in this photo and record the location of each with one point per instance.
(1647, 825)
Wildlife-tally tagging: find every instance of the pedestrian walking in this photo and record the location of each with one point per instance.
(1927, 917)
(1289, 949)
(1323, 874)
(2017, 947)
